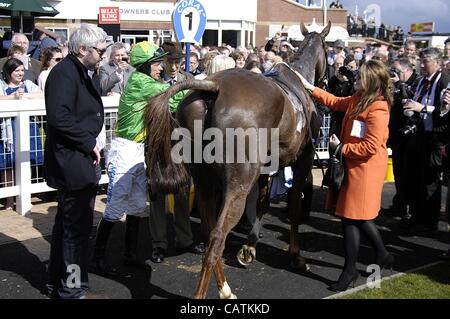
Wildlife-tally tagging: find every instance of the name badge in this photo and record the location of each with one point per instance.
(358, 129)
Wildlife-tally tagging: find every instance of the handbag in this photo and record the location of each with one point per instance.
(335, 174)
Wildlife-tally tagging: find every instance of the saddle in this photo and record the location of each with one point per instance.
(294, 94)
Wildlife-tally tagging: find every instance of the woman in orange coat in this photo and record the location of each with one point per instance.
(364, 135)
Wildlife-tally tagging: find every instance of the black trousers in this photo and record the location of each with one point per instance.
(423, 179)
(68, 267)
(399, 165)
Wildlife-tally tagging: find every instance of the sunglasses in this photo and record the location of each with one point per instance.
(100, 52)
(57, 59)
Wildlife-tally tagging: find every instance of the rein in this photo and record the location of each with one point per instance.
(308, 118)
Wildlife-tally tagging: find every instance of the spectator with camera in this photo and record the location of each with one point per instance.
(341, 85)
(114, 75)
(406, 80)
(424, 164)
(274, 44)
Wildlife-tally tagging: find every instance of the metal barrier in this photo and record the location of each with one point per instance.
(22, 138)
(21, 164)
(324, 138)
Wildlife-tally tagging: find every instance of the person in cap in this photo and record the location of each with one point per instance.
(338, 51)
(158, 227)
(125, 161)
(172, 72)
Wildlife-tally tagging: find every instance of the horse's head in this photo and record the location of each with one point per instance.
(311, 57)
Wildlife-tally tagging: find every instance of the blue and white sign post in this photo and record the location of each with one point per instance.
(189, 23)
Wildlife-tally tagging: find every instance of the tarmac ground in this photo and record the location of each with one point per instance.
(25, 246)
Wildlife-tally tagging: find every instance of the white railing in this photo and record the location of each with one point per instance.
(27, 177)
(23, 183)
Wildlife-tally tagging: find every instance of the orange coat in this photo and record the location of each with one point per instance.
(365, 158)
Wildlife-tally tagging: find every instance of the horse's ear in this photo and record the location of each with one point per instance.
(326, 31)
(305, 31)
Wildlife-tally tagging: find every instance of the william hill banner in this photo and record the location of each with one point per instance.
(422, 27)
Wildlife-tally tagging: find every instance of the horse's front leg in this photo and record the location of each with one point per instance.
(301, 169)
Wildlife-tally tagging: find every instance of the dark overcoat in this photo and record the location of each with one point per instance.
(74, 120)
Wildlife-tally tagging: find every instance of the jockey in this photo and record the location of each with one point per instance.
(125, 161)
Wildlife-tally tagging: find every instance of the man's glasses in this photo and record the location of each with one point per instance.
(100, 52)
(57, 59)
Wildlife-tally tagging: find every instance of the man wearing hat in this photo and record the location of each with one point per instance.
(183, 235)
(125, 161)
(338, 51)
(172, 72)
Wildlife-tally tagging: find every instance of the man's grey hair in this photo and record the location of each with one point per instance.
(116, 47)
(86, 36)
(405, 64)
(16, 35)
(430, 52)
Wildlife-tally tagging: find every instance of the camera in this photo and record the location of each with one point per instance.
(349, 74)
(409, 129)
(394, 73)
(125, 59)
(402, 91)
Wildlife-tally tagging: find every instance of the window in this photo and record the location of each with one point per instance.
(311, 3)
(62, 32)
(166, 35)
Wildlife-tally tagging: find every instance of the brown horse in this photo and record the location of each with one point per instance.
(236, 100)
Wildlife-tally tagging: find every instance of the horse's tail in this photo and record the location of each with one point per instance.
(164, 175)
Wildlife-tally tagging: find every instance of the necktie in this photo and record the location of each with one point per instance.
(425, 88)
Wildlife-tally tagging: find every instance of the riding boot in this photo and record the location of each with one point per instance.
(98, 261)
(131, 242)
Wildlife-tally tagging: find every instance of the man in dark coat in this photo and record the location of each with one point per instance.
(74, 120)
(406, 81)
(424, 164)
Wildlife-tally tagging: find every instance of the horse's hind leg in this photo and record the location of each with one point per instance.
(258, 205)
(222, 285)
(234, 197)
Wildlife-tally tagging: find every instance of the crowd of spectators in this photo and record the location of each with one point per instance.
(358, 26)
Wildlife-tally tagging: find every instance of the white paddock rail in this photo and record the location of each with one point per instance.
(22, 110)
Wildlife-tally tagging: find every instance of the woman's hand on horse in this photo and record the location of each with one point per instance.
(305, 82)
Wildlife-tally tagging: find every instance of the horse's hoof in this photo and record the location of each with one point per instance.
(225, 293)
(300, 265)
(246, 255)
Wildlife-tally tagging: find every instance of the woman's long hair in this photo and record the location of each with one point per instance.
(375, 82)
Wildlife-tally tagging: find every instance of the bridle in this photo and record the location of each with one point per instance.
(321, 81)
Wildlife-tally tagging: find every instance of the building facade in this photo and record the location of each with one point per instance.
(233, 22)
